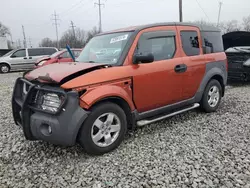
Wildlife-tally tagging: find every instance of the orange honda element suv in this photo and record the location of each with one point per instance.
(123, 78)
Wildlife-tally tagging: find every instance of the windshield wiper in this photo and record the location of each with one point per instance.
(91, 62)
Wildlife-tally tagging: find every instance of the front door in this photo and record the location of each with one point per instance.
(18, 59)
(158, 83)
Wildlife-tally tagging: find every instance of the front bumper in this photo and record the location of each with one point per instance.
(58, 128)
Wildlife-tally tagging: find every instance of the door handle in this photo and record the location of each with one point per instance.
(30, 57)
(25, 58)
(180, 68)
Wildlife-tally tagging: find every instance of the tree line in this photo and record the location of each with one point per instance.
(79, 37)
(76, 38)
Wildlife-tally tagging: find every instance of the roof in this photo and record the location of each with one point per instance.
(140, 27)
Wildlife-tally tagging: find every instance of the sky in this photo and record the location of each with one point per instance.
(36, 15)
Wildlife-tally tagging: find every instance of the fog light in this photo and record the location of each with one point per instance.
(46, 129)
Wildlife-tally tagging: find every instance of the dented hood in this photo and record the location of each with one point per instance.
(56, 73)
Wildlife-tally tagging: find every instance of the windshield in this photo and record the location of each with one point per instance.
(56, 54)
(105, 48)
(9, 53)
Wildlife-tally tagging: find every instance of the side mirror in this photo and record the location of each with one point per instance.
(144, 58)
(12, 56)
(60, 57)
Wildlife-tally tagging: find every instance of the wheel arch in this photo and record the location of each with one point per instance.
(214, 73)
(123, 104)
(5, 62)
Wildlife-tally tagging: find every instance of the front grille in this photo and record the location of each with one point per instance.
(26, 101)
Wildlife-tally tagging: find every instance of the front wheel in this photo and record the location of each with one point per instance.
(211, 96)
(104, 129)
(4, 68)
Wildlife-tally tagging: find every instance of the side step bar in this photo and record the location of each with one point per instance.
(146, 122)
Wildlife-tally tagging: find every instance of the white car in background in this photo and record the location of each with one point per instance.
(23, 59)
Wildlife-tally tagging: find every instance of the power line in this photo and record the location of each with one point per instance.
(55, 22)
(99, 4)
(202, 9)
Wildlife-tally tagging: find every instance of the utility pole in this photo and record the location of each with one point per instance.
(220, 5)
(19, 43)
(180, 11)
(99, 4)
(73, 29)
(30, 42)
(55, 22)
(24, 38)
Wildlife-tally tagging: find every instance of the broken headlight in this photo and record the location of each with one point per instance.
(51, 102)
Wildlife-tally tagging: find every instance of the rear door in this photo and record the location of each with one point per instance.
(33, 55)
(18, 59)
(193, 59)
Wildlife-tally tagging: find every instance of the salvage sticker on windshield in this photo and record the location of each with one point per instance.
(119, 38)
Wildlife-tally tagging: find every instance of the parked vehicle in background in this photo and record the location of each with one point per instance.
(58, 57)
(237, 48)
(123, 78)
(4, 51)
(23, 59)
(238, 63)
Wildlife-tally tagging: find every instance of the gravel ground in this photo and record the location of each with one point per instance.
(190, 150)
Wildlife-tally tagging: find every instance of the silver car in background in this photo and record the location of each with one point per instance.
(23, 59)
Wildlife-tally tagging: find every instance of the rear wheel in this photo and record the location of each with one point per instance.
(104, 129)
(211, 96)
(4, 68)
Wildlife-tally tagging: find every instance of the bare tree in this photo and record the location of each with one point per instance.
(4, 30)
(75, 40)
(47, 42)
(203, 22)
(230, 26)
(91, 34)
(246, 23)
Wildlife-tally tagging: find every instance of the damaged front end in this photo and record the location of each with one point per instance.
(238, 66)
(237, 48)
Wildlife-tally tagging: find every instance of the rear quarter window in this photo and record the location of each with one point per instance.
(212, 42)
(190, 43)
(49, 51)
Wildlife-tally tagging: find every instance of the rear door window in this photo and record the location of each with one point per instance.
(190, 43)
(36, 52)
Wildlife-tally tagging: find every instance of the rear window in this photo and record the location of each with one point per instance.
(190, 43)
(41, 51)
(212, 42)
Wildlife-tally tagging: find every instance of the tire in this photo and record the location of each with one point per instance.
(4, 68)
(89, 134)
(212, 105)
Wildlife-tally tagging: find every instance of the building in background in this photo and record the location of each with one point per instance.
(4, 45)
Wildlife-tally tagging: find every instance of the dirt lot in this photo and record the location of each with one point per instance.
(190, 150)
